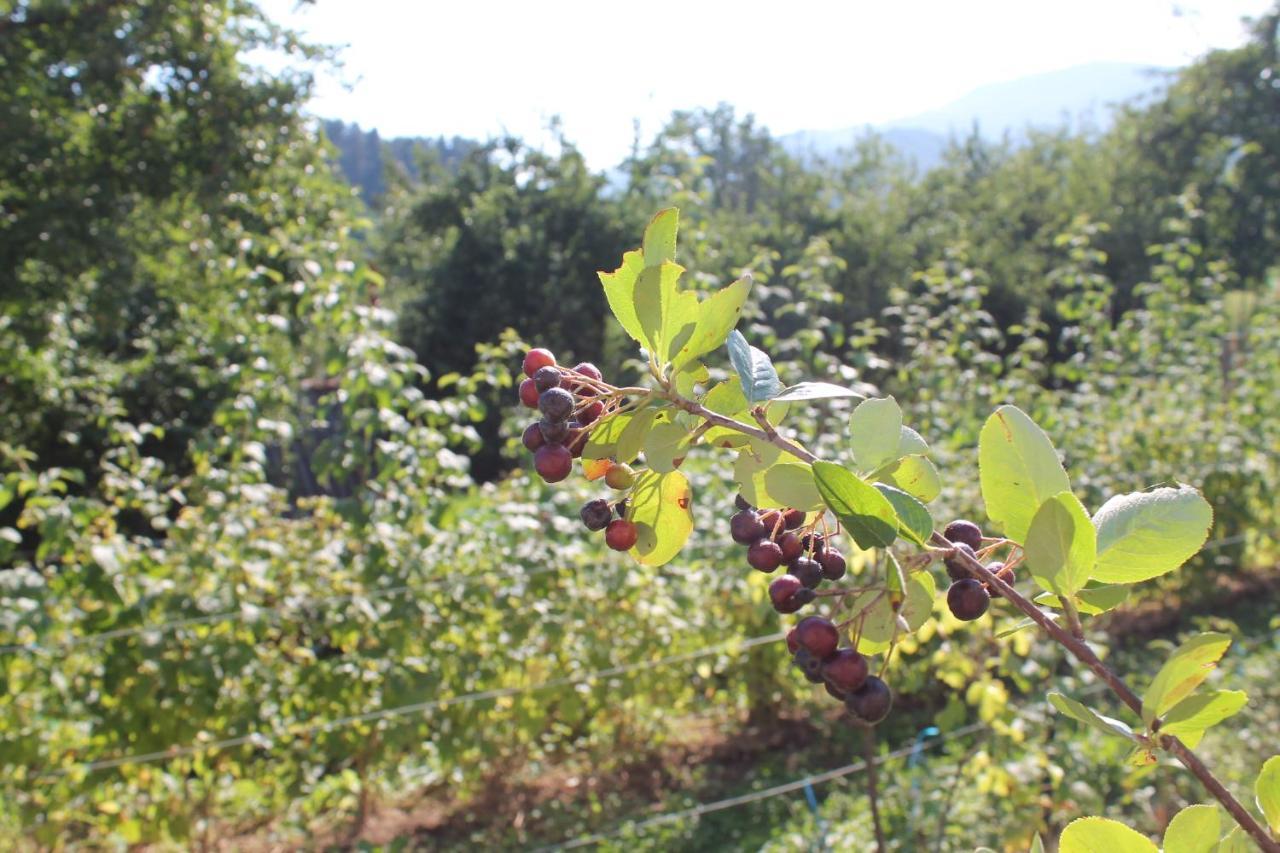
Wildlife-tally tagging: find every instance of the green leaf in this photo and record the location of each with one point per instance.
(817, 391)
(664, 310)
(914, 520)
(1267, 791)
(1099, 835)
(717, 315)
(1018, 469)
(918, 606)
(875, 623)
(1060, 544)
(1236, 841)
(1084, 714)
(875, 432)
(660, 237)
(1193, 716)
(1091, 600)
(663, 445)
(1183, 672)
(760, 381)
(1147, 534)
(603, 442)
(1193, 830)
(620, 292)
(1037, 845)
(865, 513)
(911, 443)
(634, 434)
(661, 509)
(791, 483)
(916, 476)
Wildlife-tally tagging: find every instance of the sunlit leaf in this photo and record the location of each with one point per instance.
(875, 432)
(1060, 544)
(1193, 716)
(661, 510)
(1147, 534)
(817, 391)
(1018, 469)
(1084, 714)
(861, 508)
(1195, 829)
(1188, 666)
(1267, 791)
(1099, 835)
(914, 521)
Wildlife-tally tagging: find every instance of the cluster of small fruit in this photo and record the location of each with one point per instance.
(620, 533)
(967, 597)
(565, 397)
(815, 645)
(773, 539)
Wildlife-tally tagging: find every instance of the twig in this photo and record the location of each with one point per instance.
(869, 756)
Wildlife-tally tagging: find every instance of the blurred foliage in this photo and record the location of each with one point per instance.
(251, 470)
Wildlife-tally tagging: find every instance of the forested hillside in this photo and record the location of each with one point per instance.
(274, 570)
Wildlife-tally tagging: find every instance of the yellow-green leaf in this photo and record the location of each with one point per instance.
(1183, 672)
(1193, 830)
(1018, 470)
(1267, 791)
(866, 514)
(661, 509)
(1060, 544)
(875, 432)
(916, 476)
(1195, 715)
(1147, 534)
(1099, 835)
(620, 292)
(718, 314)
(660, 237)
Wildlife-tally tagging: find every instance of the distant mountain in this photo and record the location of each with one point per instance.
(364, 156)
(1083, 94)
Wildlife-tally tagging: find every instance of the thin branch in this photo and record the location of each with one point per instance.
(869, 757)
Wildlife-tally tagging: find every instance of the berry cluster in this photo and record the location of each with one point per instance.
(815, 645)
(620, 533)
(774, 538)
(565, 397)
(968, 598)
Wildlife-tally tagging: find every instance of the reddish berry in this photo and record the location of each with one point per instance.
(815, 543)
(588, 370)
(870, 702)
(772, 520)
(791, 547)
(546, 378)
(745, 527)
(802, 597)
(807, 570)
(596, 514)
(536, 359)
(553, 462)
(793, 645)
(846, 669)
(529, 394)
(764, 555)
(832, 562)
(591, 412)
(955, 566)
(817, 634)
(620, 477)
(781, 591)
(968, 599)
(792, 518)
(577, 440)
(621, 534)
(575, 383)
(532, 437)
(555, 404)
(967, 532)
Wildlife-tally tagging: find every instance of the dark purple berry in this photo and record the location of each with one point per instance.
(968, 599)
(745, 527)
(1004, 573)
(803, 596)
(807, 570)
(792, 518)
(532, 438)
(814, 543)
(870, 702)
(621, 508)
(741, 503)
(591, 412)
(764, 555)
(846, 669)
(832, 562)
(818, 635)
(793, 645)
(553, 462)
(772, 520)
(780, 592)
(967, 532)
(955, 567)
(834, 692)
(596, 514)
(554, 432)
(555, 404)
(588, 370)
(546, 378)
(577, 440)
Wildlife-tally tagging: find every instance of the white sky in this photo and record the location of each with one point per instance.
(480, 67)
